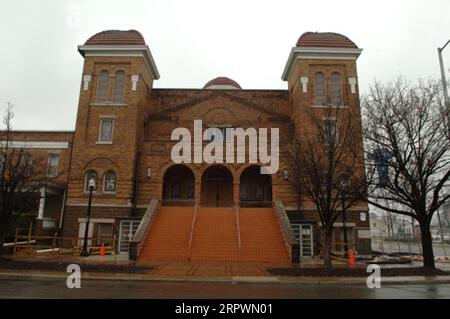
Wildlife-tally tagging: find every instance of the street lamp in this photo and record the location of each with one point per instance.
(91, 185)
(444, 81)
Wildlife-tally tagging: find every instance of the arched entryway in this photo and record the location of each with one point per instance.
(179, 186)
(217, 187)
(255, 188)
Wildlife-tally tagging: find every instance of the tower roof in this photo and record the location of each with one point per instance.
(116, 37)
(325, 40)
(222, 83)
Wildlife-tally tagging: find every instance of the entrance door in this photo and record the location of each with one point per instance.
(306, 241)
(218, 193)
(217, 188)
(304, 234)
(127, 230)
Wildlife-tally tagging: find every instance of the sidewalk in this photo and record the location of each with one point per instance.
(237, 280)
(110, 268)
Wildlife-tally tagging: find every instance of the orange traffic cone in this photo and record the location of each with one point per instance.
(102, 250)
(351, 259)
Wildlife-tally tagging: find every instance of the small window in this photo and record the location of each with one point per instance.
(104, 234)
(90, 175)
(319, 89)
(119, 84)
(336, 89)
(109, 184)
(53, 165)
(102, 89)
(106, 131)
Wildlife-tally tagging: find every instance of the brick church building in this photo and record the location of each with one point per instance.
(194, 211)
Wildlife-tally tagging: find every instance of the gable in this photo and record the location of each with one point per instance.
(223, 107)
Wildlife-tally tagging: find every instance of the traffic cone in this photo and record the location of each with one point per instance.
(351, 259)
(102, 250)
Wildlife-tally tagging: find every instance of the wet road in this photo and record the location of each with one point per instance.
(56, 288)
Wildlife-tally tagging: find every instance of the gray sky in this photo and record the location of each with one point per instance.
(195, 41)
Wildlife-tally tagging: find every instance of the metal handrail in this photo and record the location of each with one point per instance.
(238, 226)
(141, 234)
(191, 235)
(291, 242)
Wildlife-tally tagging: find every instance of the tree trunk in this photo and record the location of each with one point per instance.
(327, 251)
(427, 245)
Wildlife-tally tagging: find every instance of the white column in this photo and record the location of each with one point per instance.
(41, 204)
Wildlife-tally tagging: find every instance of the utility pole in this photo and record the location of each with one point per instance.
(444, 81)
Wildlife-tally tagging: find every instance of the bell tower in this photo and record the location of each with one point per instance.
(321, 70)
(117, 80)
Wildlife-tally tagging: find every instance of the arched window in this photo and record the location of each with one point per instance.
(119, 84)
(102, 89)
(336, 89)
(90, 175)
(319, 89)
(109, 182)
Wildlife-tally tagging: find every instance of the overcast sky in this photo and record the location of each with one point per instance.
(195, 41)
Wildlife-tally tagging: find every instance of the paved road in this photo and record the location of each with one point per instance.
(56, 288)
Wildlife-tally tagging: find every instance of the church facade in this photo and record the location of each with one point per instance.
(123, 142)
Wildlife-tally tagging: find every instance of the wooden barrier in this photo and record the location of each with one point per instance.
(33, 245)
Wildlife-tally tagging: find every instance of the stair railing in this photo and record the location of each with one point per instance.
(238, 227)
(292, 244)
(191, 235)
(143, 230)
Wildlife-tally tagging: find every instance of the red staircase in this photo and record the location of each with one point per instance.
(169, 235)
(262, 239)
(215, 235)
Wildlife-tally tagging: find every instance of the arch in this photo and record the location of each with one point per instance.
(255, 189)
(336, 89)
(179, 186)
(109, 182)
(217, 187)
(320, 89)
(119, 85)
(102, 87)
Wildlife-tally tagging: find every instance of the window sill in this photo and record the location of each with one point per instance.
(109, 104)
(102, 194)
(103, 143)
(329, 106)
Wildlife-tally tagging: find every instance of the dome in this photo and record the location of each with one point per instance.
(222, 83)
(117, 37)
(325, 40)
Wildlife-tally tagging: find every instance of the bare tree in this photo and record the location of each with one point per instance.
(328, 167)
(409, 125)
(389, 223)
(22, 175)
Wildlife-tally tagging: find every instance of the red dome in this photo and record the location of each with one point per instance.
(117, 37)
(224, 82)
(325, 40)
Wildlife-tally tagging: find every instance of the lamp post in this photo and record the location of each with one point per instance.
(91, 185)
(444, 81)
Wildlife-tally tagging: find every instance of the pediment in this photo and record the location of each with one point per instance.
(223, 108)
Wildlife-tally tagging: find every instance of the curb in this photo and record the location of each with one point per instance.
(420, 280)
